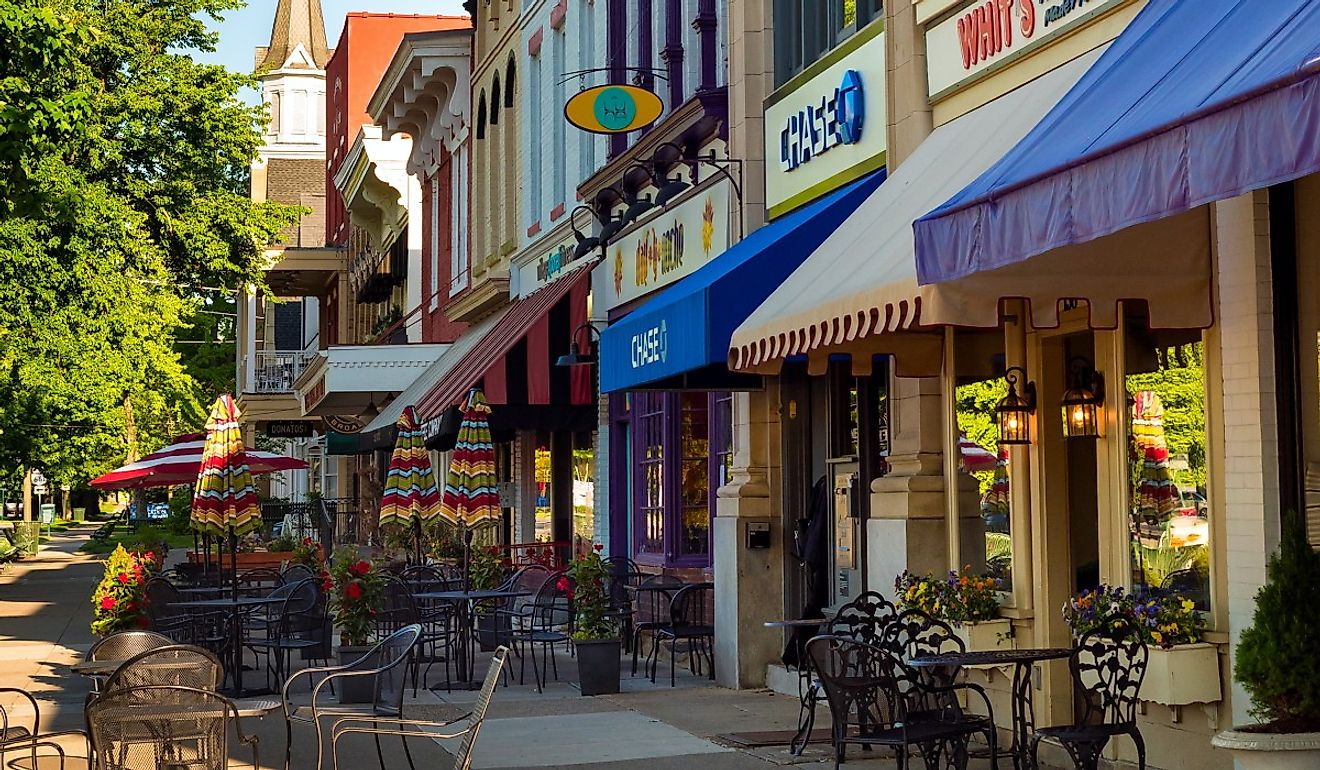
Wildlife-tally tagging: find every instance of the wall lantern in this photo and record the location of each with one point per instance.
(1014, 411)
(1083, 401)
(585, 243)
(580, 356)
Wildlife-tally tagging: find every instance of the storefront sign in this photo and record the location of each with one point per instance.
(342, 424)
(650, 346)
(827, 126)
(289, 428)
(986, 35)
(667, 247)
(314, 395)
(613, 109)
(544, 269)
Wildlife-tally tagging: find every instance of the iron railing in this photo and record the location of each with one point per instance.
(274, 371)
(329, 521)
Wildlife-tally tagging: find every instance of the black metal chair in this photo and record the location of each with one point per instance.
(650, 610)
(386, 664)
(622, 574)
(690, 624)
(259, 582)
(295, 573)
(123, 646)
(21, 734)
(178, 665)
(163, 726)
(1108, 666)
(435, 617)
(160, 594)
(914, 634)
(297, 624)
(545, 621)
(869, 689)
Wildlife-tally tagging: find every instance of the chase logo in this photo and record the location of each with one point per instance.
(850, 108)
(650, 346)
(835, 119)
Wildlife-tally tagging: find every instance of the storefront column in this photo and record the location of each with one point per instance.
(749, 583)
(524, 477)
(907, 526)
(561, 488)
(1244, 341)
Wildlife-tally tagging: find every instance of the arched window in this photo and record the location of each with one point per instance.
(481, 116)
(495, 101)
(508, 83)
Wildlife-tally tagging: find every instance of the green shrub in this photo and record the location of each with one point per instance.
(1277, 662)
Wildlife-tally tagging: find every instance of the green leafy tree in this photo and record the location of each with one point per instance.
(123, 190)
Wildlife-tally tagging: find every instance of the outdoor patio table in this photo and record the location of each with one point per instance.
(466, 602)
(235, 606)
(1024, 716)
(805, 694)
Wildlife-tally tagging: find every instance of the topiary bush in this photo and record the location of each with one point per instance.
(1277, 662)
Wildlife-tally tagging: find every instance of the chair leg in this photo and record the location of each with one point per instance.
(404, 740)
(673, 659)
(1141, 749)
(380, 755)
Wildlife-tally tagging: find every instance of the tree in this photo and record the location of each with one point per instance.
(123, 191)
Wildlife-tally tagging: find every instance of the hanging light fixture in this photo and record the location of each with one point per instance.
(1013, 410)
(1083, 401)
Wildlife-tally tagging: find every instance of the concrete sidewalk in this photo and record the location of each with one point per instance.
(44, 616)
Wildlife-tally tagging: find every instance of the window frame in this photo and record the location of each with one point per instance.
(804, 34)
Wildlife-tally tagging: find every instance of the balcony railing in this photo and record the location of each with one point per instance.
(274, 371)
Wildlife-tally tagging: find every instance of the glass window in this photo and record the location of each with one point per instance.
(1169, 514)
(584, 498)
(649, 429)
(694, 518)
(986, 517)
(545, 527)
(805, 30)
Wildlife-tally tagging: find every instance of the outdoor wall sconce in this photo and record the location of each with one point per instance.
(1083, 401)
(580, 356)
(636, 208)
(1013, 410)
(585, 243)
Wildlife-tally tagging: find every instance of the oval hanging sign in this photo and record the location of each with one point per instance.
(613, 109)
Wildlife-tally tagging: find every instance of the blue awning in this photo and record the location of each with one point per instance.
(1194, 102)
(683, 333)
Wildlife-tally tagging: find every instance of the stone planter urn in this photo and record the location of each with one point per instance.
(1178, 676)
(355, 689)
(986, 635)
(598, 666)
(1270, 751)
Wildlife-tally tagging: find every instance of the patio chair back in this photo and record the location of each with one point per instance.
(388, 660)
(463, 757)
(298, 614)
(621, 573)
(127, 644)
(160, 594)
(914, 634)
(1108, 665)
(550, 608)
(690, 610)
(260, 581)
(397, 609)
(159, 727)
(653, 606)
(864, 618)
(424, 578)
(296, 572)
(177, 665)
(866, 685)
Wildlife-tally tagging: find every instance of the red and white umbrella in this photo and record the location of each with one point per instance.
(976, 458)
(180, 462)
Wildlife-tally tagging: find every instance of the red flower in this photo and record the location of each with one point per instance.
(493, 550)
(564, 585)
(353, 591)
(599, 547)
(130, 607)
(107, 602)
(360, 568)
(123, 578)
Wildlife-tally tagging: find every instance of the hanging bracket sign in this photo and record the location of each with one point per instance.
(613, 109)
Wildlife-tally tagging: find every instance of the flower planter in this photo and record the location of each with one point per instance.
(492, 630)
(355, 689)
(598, 666)
(984, 635)
(247, 561)
(1271, 751)
(1187, 673)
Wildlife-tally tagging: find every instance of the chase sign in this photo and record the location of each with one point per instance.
(650, 346)
(816, 128)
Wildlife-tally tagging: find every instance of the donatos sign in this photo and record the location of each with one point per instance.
(613, 109)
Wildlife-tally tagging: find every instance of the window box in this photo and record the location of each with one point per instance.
(984, 635)
(1188, 673)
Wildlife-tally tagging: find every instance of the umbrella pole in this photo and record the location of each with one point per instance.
(417, 540)
(234, 619)
(467, 558)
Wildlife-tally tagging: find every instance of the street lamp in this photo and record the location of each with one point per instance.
(1014, 411)
(585, 243)
(1083, 401)
(583, 356)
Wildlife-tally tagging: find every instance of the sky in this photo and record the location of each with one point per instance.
(245, 29)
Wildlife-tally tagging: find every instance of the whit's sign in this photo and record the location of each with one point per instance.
(985, 35)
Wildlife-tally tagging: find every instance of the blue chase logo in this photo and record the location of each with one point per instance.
(817, 128)
(650, 346)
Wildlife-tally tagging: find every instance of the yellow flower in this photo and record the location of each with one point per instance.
(1157, 636)
(1188, 605)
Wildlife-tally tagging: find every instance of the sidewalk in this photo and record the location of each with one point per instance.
(45, 611)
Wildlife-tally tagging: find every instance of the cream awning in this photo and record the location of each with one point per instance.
(858, 293)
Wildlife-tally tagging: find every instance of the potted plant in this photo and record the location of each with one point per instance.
(595, 631)
(1181, 668)
(486, 571)
(119, 601)
(1276, 662)
(355, 593)
(969, 603)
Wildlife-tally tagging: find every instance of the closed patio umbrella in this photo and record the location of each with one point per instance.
(411, 495)
(470, 498)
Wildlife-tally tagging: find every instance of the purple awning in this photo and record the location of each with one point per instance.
(1194, 102)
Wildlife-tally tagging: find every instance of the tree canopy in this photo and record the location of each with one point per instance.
(124, 211)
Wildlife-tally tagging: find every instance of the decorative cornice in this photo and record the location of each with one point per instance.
(372, 194)
(425, 93)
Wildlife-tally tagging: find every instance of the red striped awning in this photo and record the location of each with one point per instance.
(525, 319)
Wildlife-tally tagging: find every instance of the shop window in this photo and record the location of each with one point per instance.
(544, 527)
(1169, 528)
(649, 481)
(584, 498)
(694, 437)
(986, 521)
(805, 30)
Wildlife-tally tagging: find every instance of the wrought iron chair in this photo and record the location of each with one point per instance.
(914, 634)
(297, 624)
(24, 736)
(295, 573)
(869, 690)
(863, 619)
(406, 728)
(386, 664)
(529, 580)
(435, 617)
(690, 624)
(160, 595)
(544, 621)
(651, 610)
(163, 726)
(1108, 666)
(621, 574)
(123, 646)
(178, 665)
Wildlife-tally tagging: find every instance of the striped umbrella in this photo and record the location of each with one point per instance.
(411, 495)
(180, 462)
(470, 497)
(225, 498)
(996, 498)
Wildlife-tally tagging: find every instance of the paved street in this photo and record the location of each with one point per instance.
(44, 614)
